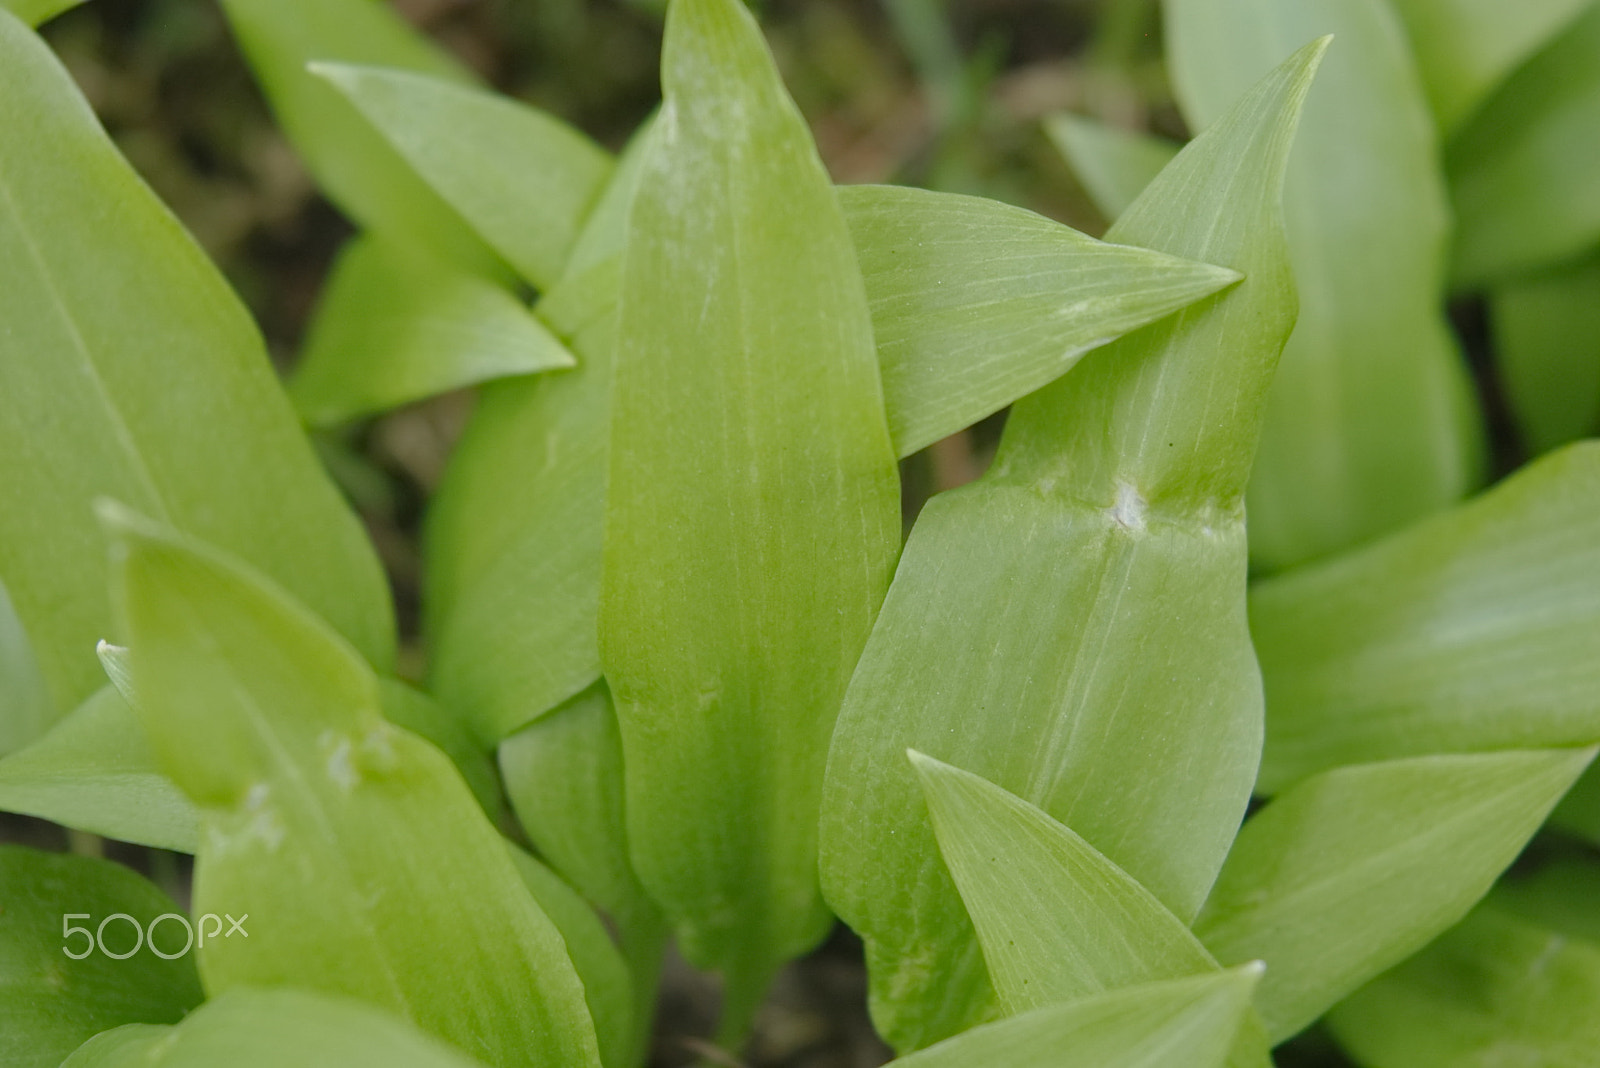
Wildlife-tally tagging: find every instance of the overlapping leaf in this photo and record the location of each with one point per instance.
(33, 12)
(25, 708)
(1113, 164)
(1072, 626)
(1372, 422)
(1546, 330)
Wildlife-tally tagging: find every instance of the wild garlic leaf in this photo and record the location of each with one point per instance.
(315, 809)
(1372, 422)
(752, 516)
(396, 325)
(1546, 329)
(1181, 1023)
(524, 180)
(273, 1029)
(976, 303)
(357, 169)
(1493, 990)
(34, 12)
(405, 706)
(128, 368)
(1113, 164)
(1522, 171)
(1355, 869)
(1074, 623)
(95, 772)
(25, 708)
(1466, 48)
(54, 1002)
(1475, 630)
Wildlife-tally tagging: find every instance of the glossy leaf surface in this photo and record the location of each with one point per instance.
(1546, 330)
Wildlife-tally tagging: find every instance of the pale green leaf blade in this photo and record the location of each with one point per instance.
(405, 706)
(53, 1002)
(25, 708)
(315, 809)
(1522, 172)
(1183, 1023)
(1114, 165)
(524, 180)
(1494, 990)
(272, 1029)
(1353, 870)
(396, 325)
(128, 368)
(34, 12)
(1075, 622)
(1476, 630)
(95, 772)
(976, 303)
(1546, 330)
(1371, 422)
(752, 517)
(1466, 48)
(356, 167)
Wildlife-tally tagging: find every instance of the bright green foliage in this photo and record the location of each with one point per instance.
(51, 1003)
(1113, 164)
(1495, 990)
(1522, 172)
(316, 810)
(272, 1029)
(128, 368)
(1472, 631)
(752, 517)
(1371, 423)
(1466, 48)
(407, 707)
(25, 708)
(1185, 1023)
(523, 180)
(1102, 563)
(1547, 338)
(33, 12)
(396, 325)
(1353, 870)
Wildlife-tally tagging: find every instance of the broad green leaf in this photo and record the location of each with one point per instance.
(1353, 870)
(357, 168)
(1074, 623)
(1183, 1023)
(272, 1029)
(52, 1002)
(1466, 48)
(524, 180)
(1562, 895)
(1475, 630)
(25, 708)
(407, 707)
(1493, 991)
(34, 12)
(976, 303)
(1522, 171)
(1114, 165)
(128, 368)
(315, 810)
(396, 325)
(1547, 340)
(1372, 422)
(94, 772)
(752, 516)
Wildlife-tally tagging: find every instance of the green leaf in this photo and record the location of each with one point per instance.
(272, 1029)
(95, 772)
(35, 12)
(1494, 991)
(1353, 870)
(524, 180)
(1472, 631)
(1074, 623)
(1466, 48)
(25, 708)
(1547, 337)
(1579, 812)
(753, 516)
(1372, 422)
(1114, 165)
(407, 707)
(315, 810)
(976, 303)
(53, 1002)
(396, 325)
(1522, 171)
(357, 168)
(1561, 895)
(1184, 1023)
(128, 368)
